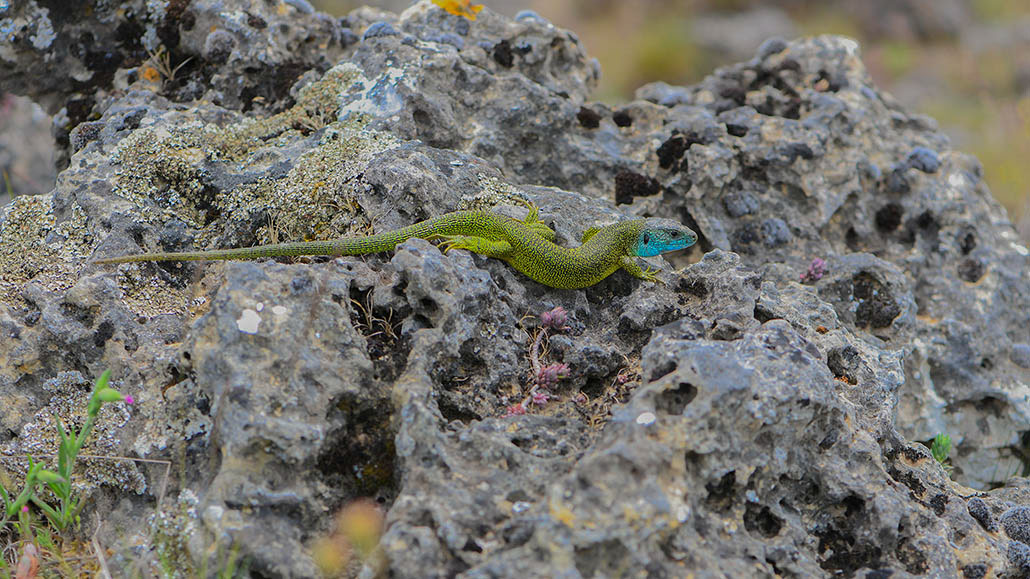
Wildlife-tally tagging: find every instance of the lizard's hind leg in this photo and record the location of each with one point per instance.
(532, 221)
(480, 245)
(542, 230)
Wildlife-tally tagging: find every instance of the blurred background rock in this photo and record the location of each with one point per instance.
(964, 62)
(26, 148)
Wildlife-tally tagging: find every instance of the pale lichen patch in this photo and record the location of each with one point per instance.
(316, 199)
(34, 247)
(149, 295)
(313, 200)
(162, 166)
(248, 321)
(317, 106)
(493, 192)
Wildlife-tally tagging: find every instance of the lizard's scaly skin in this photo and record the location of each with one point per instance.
(522, 244)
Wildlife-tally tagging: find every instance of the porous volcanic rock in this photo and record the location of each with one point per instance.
(855, 290)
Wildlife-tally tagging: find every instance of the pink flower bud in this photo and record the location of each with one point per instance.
(548, 376)
(555, 318)
(816, 270)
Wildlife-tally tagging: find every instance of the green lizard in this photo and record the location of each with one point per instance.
(527, 245)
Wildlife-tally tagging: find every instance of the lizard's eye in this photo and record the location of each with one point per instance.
(674, 234)
(647, 238)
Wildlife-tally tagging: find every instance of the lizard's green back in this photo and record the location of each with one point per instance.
(518, 243)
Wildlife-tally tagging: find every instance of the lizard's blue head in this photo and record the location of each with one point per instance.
(660, 235)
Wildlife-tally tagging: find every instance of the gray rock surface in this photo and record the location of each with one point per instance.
(756, 414)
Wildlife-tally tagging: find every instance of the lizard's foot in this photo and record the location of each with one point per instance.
(631, 267)
(479, 245)
(651, 274)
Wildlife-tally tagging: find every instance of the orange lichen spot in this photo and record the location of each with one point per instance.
(150, 74)
(822, 329)
(563, 514)
(460, 7)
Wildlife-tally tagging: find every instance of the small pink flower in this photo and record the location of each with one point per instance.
(555, 318)
(816, 270)
(24, 508)
(540, 398)
(515, 410)
(129, 399)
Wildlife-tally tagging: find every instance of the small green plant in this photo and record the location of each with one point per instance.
(940, 449)
(59, 483)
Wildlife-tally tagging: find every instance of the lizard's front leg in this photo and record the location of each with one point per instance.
(480, 245)
(630, 265)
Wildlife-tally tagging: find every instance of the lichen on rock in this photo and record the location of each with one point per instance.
(36, 247)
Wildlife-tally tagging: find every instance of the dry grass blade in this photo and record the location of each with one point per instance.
(98, 551)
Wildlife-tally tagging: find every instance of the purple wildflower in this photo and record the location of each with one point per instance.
(129, 399)
(816, 270)
(24, 508)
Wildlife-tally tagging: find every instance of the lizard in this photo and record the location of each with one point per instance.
(526, 245)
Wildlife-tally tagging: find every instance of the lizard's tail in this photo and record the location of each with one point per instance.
(449, 224)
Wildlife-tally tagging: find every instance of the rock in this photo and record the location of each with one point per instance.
(979, 510)
(26, 148)
(730, 420)
(1016, 522)
(1020, 355)
(1019, 559)
(76, 58)
(912, 18)
(924, 160)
